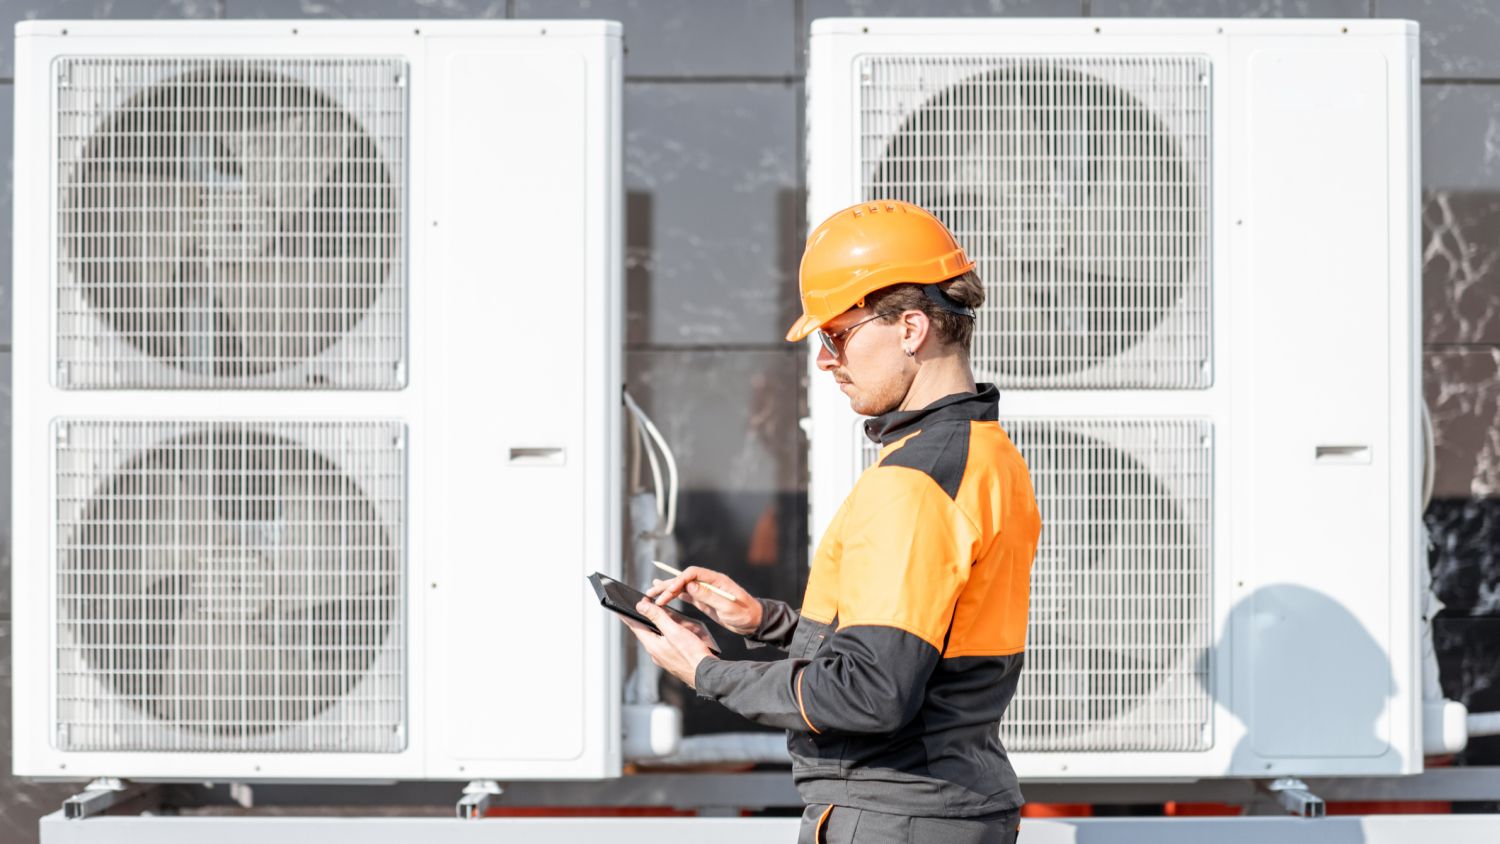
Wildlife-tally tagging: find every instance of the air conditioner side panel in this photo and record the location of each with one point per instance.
(1323, 458)
(520, 655)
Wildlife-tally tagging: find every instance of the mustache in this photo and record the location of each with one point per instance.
(842, 376)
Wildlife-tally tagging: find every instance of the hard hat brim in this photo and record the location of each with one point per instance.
(802, 328)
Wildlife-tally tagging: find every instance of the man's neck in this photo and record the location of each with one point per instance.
(939, 377)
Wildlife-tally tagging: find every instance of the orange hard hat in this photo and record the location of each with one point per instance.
(866, 247)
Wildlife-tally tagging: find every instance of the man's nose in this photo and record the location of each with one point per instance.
(826, 362)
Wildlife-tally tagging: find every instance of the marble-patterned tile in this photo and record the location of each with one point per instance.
(393, 9)
(1231, 8)
(1463, 555)
(1461, 267)
(1458, 38)
(1468, 652)
(12, 11)
(691, 37)
(713, 214)
(1462, 387)
(22, 801)
(1461, 213)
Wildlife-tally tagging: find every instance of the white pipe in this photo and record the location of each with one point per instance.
(728, 747)
(1484, 724)
(641, 687)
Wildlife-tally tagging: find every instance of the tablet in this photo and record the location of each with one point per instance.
(619, 598)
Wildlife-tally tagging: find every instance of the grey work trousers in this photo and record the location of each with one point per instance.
(823, 824)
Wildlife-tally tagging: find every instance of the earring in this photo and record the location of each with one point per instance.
(911, 353)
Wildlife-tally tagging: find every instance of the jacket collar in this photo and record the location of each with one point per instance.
(983, 405)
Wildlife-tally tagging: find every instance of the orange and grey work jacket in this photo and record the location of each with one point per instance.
(909, 642)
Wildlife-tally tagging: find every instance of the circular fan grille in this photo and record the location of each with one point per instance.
(1119, 586)
(1072, 195)
(230, 221)
(237, 582)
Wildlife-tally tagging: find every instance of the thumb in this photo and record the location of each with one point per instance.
(664, 622)
(651, 610)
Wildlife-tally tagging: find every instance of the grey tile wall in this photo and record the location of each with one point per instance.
(1458, 38)
(292, 9)
(12, 11)
(954, 8)
(730, 411)
(716, 223)
(1231, 8)
(691, 37)
(1460, 137)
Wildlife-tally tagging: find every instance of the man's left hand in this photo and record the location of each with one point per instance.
(677, 650)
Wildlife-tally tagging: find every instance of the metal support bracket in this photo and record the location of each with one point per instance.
(1293, 796)
(107, 793)
(478, 796)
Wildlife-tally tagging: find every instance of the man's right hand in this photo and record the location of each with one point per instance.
(741, 615)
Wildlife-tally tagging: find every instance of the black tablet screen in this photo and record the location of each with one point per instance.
(616, 596)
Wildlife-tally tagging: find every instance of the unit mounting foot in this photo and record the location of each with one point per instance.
(478, 795)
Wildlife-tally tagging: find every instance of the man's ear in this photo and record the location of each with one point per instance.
(915, 326)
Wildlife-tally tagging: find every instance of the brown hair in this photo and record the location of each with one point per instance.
(949, 327)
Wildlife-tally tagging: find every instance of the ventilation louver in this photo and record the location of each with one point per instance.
(231, 223)
(230, 586)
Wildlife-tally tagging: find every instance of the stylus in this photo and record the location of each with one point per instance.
(712, 588)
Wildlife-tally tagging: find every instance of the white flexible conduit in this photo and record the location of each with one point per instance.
(1429, 459)
(666, 501)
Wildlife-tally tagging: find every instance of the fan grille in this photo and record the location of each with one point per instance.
(1080, 188)
(1118, 635)
(231, 222)
(230, 586)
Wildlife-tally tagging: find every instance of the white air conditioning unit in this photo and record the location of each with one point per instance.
(316, 388)
(1199, 244)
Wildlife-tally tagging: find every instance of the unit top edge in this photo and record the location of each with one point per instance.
(37, 28)
(1114, 26)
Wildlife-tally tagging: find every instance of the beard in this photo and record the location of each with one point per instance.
(874, 399)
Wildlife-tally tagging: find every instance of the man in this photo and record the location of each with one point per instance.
(909, 642)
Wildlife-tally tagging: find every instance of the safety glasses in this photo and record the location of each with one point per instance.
(834, 341)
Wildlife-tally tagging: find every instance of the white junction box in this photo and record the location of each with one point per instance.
(317, 399)
(1199, 242)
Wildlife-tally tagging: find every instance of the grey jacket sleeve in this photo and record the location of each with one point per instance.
(760, 691)
(870, 679)
(778, 622)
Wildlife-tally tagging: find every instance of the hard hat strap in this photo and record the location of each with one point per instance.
(941, 299)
